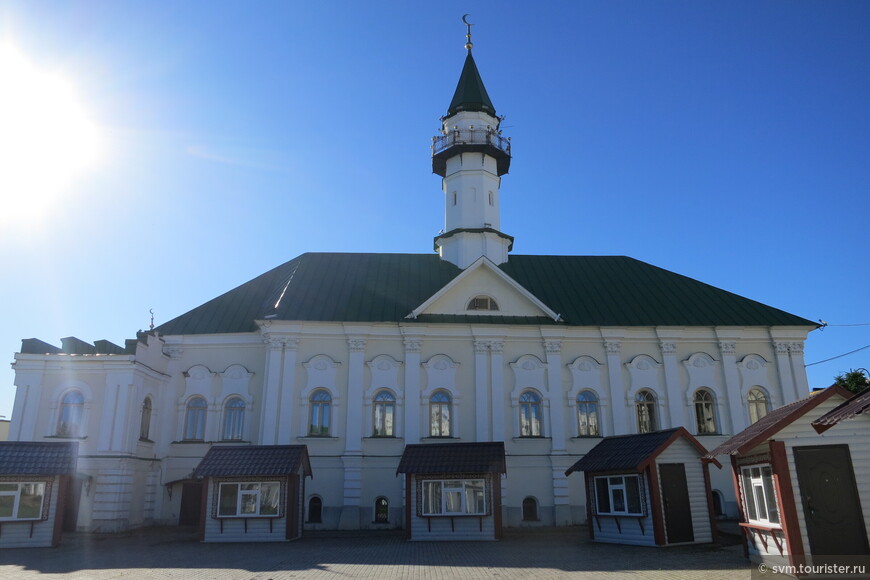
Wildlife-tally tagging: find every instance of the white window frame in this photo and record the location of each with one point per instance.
(588, 408)
(320, 413)
(616, 487)
(195, 419)
(251, 496)
(757, 488)
(704, 405)
(649, 407)
(384, 414)
(233, 427)
(531, 417)
(449, 497)
(445, 424)
(71, 416)
(16, 499)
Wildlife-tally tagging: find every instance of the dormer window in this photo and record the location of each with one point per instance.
(482, 303)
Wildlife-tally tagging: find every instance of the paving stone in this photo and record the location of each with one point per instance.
(540, 553)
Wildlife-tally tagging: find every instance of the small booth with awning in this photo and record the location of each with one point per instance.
(453, 490)
(34, 488)
(253, 493)
(648, 489)
(802, 479)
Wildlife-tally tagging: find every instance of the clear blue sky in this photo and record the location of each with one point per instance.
(726, 141)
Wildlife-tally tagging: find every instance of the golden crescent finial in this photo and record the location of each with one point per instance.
(468, 25)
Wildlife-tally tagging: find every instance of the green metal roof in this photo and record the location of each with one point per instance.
(470, 93)
(585, 290)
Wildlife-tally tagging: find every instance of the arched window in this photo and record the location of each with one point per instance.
(69, 422)
(234, 419)
(145, 421)
(439, 414)
(382, 511)
(587, 415)
(320, 405)
(645, 405)
(482, 303)
(530, 414)
(385, 414)
(758, 404)
(530, 509)
(315, 510)
(705, 416)
(194, 419)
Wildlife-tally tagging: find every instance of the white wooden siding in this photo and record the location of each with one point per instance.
(855, 433)
(234, 528)
(17, 534)
(681, 451)
(631, 532)
(462, 528)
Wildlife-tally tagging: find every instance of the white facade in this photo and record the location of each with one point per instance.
(357, 393)
(484, 370)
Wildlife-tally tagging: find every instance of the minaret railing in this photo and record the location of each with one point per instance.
(456, 137)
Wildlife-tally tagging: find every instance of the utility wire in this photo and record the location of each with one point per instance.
(838, 356)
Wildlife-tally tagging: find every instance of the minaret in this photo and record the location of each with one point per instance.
(471, 156)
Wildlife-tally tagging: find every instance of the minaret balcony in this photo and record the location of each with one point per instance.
(487, 141)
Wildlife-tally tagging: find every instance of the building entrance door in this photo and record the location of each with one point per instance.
(830, 501)
(675, 497)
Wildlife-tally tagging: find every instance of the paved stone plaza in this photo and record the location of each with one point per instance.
(158, 553)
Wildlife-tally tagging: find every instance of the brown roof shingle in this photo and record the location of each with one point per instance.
(630, 452)
(453, 458)
(38, 457)
(254, 460)
(848, 409)
(775, 421)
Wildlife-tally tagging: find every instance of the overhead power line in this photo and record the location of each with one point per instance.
(838, 356)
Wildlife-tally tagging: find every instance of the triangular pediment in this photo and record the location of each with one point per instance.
(484, 279)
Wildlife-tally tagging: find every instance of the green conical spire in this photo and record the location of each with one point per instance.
(470, 93)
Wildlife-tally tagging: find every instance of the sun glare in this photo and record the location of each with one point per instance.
(46, 139)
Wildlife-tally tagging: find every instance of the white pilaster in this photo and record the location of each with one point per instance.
(557, 395)
(728, 352)
(287, 391)
(676, 411)
(482, 424)
(413, 346)
(271, 391)
(798, 369)
(617, 387)
(783, 365)
(355, 376)
(496, 348)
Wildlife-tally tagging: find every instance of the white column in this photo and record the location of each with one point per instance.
(413, 346)
(557, 394)
(355, 375)
(496, 348)
(676, 409)
(728, 351)
(109, 413)
(271, 391)
(286, 391)
(783, 365)
(617, 388)
(798, 369)
(481, 350)
(25, 412)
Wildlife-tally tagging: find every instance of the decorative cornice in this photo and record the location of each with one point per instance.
(668, 348)
(173, 352)
(553, 346)
(496, 346)
(356, 344)
(728, 347)
(413, 344)
(796, 347)
(481, 346)
(781, 347)
(612, 346)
